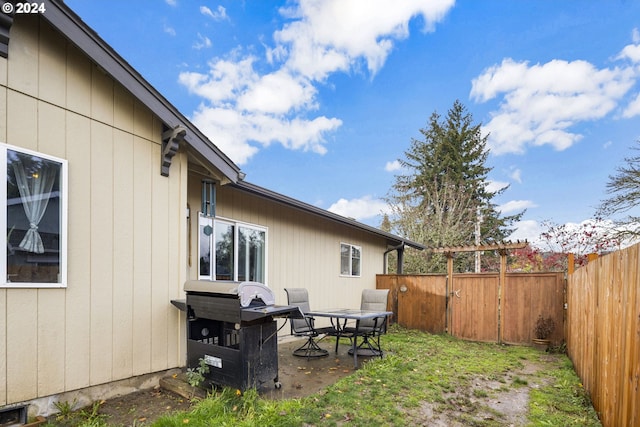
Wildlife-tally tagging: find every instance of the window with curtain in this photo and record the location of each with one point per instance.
(350, 256)
(35, 220)
(229, 250)
(205, 237)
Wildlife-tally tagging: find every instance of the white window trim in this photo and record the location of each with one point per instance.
(350, 260)
(207, 220)
(64, 198)
(236, 227)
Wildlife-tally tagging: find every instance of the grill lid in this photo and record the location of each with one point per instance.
(246, 291)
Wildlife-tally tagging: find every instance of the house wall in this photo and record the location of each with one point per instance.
(303, 250)
(126, 226)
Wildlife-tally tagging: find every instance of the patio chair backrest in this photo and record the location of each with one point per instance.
(299, 297)
(373, 299)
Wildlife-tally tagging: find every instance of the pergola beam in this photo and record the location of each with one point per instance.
(482, 247)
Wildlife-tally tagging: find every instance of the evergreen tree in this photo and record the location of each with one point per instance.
(443, 195)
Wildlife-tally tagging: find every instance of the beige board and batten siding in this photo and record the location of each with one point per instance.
(126, 222)
(303, 250)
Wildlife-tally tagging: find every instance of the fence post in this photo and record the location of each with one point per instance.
(571, 263)
(501, 281)
(449, 284)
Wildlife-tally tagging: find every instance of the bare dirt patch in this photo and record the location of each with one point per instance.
(498, 401)
(143, 407)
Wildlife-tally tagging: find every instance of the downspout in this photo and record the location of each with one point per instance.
(400, 266)
(400, 249)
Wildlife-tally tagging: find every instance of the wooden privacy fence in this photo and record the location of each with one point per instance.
(477, 306)
(603, 334)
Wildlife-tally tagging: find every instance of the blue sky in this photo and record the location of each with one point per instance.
(317, 99)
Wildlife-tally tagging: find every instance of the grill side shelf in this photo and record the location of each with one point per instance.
(272, 311)
(218, 308)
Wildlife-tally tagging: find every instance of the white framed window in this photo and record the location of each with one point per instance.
(350, 260)
(231, 250)
(35, 219)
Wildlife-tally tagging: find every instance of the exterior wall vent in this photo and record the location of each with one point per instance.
(15, 416)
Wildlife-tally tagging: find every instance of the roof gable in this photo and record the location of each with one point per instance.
(89, 42)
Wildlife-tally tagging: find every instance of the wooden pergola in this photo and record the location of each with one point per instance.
(501, 247)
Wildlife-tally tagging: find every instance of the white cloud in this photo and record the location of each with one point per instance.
(202, 42)
(318, 39)
(322, 40)
(278, 93)
(393, 166)
(540, 103)
(171, 2)
(169, 30)
(630, 52)
(528, 230)
(495, 186)
(218, 15)
(234, 131)
(359, 209)
(226, 80)
(244, 108)
(227, 129)
(516, 175)
(633, 109)
(515, 206)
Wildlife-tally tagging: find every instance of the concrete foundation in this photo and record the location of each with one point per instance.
(46, 406)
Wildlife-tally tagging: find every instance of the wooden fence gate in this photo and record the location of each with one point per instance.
(476, 306)
(473, 307)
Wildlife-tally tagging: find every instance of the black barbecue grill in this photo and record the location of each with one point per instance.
(232, 327)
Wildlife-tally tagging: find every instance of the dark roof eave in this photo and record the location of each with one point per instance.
(297, 204)
(88, 41)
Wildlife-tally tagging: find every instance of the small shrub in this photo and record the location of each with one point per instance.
(544, 327)
(480, 393)
(65, 408)
(519, 382)
(558, 349)
(195, 376)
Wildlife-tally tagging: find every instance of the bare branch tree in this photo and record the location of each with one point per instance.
(624, 191)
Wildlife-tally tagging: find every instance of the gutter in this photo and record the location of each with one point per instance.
(325, 214)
